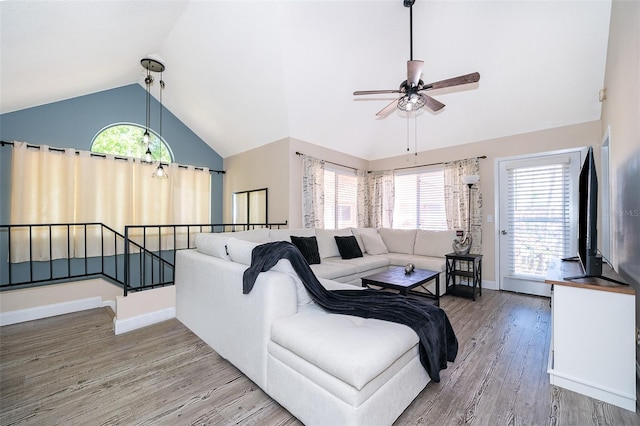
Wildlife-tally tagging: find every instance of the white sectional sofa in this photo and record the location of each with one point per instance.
(425, 249)
(326, 369)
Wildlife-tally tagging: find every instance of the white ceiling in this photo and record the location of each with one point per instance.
(242, 74)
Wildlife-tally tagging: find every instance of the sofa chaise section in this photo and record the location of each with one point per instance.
(326, 369)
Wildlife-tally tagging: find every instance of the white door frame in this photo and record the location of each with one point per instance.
(496, 192)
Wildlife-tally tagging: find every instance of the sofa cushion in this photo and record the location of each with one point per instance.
(420, 262)
(357, 232)
(433, 243)
(365, 263)
(213, 245)
(348, 247)
(399, 240)
(333, 270)
(240, 250)
(327, 244)
(260, 235)
(353, 349)
(336, 285)
(308, 246)
(285, 234)
(285, 267)
(374, 244)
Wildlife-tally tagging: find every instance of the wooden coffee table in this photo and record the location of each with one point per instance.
(395, 278)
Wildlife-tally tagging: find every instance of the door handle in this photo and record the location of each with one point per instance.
(503, 232)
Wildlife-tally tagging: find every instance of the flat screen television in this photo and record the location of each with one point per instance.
(588, 255)
(590, 260)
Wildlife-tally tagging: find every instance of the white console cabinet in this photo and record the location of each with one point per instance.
(592, 340)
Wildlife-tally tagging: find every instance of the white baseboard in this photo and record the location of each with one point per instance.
(129, 324)
(489, 285)
(38, 312)
(109, 303)
(617, 397)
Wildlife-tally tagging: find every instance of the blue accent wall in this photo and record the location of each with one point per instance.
(73, 123)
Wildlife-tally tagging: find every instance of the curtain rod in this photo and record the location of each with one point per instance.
(482, 157)
(331, 162)
(93, 154)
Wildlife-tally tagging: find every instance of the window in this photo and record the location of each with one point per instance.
(340, 199)
(419, 200)
(126, 140)
(539, 215)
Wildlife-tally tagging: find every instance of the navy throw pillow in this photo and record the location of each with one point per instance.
(348, 247)
(308, 246)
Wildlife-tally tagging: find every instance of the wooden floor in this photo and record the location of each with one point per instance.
(72, 370)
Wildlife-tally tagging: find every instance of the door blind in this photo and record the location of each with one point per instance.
(539, 212)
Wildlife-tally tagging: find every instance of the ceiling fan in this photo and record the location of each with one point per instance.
(412, 89)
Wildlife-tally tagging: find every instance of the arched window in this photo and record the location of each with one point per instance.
(125, 139)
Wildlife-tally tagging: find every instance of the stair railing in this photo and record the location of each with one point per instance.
(54, 252)
(142, 258)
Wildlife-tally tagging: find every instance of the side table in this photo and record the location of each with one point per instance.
(464, 275)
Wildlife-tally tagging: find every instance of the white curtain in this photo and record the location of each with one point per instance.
(189, 204)
(42, 191)
(103, 194)
(381, 198)
(456, 198)
(362, 199)
(312, 192)
(53, 187)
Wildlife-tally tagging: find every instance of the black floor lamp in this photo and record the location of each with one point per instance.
(463, 247)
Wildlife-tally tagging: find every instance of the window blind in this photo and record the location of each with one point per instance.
(419, 200)
(340, 199)
(538, 217)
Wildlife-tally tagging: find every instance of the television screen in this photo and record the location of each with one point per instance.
(588, 218)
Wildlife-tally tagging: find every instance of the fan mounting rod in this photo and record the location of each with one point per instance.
(409, 4)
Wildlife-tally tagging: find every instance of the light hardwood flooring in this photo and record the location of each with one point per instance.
(72, 370)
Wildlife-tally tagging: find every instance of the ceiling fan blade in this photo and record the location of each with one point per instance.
(414, 71)
(374, 92)
(384, 112)
(433, 104)
(455, 81)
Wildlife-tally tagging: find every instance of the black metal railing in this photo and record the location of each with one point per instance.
(40, 253)
(142, 258)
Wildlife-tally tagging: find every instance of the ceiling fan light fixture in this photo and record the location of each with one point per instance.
(411, 102)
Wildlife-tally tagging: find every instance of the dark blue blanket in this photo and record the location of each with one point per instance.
(438, 343)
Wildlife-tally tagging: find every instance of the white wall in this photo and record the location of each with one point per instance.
(621, 112)
(263, 167)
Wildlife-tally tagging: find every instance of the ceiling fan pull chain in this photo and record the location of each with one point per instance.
(415, 142)
(408, 135)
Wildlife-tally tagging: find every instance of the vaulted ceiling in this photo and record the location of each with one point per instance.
(242, 74)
